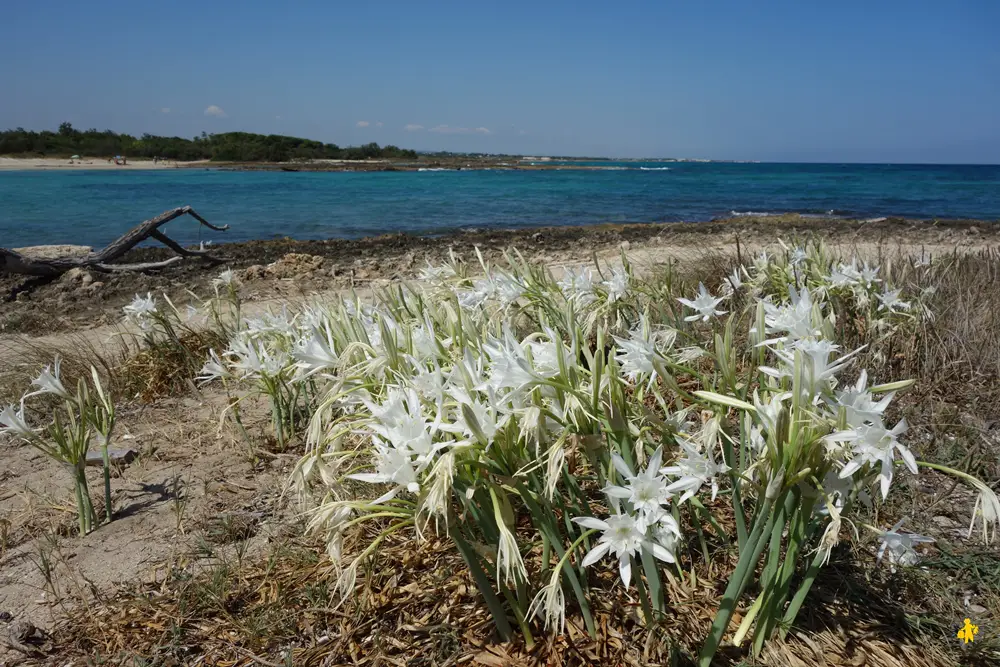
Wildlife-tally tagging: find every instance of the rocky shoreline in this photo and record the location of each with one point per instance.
(304, 266)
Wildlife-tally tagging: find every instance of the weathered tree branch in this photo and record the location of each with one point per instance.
(15, 263)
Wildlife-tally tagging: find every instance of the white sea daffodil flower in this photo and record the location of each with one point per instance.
(394, 466)
(623, 535)
(545, 354)
(869, 275)
(578, 286)
(845, 275)
(509, 367)
(636, 356)
(617, 284)
(693, 471)
(213, 369)
(647, 490)
(48, 381)
(317, 353)
(797, 256)
(226, 279)
(875, 444)
(736, 279)
(433, 273)
(12, 422)
(889, 300)
(816, 371)
(507, 288)
(662, 528)
(140, 309)
(704, 303)
(794, 320)
(859, 406)
(897, 546)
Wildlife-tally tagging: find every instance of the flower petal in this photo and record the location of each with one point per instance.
(596, 554)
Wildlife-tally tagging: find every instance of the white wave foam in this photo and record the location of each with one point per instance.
(752, 214)
(434, 169)
(654, 168)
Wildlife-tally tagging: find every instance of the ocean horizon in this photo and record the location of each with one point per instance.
(94, 207)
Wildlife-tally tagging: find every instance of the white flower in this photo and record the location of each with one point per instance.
(662, 528)
(874, 444)
(736, 279)
(213, 368)
(316, 353)
(507, 288)
(140, 308)
(845, 275)
(858, 404)
(693, 471)
(12, 422)
(622, 535)
(394, 466)
(510, 565)
(898, 546)
(797, 256)
(986, 509)
(578, 286)
(48, 381)
(401, 421)
(226, 279)
(816, 370)
(476, 419)
(646, 491)
(869, 275)
(436, 273)
(890, 300)
(550, 604)
(636, 355)
(617, 284)
(795, 320)
(704, 303)
(509, 367)
(429, 383)
(545, 355)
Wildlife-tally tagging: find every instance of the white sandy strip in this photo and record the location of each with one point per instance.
(49, 163)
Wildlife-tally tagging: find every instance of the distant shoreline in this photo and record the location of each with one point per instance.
(87, 164)
(322, 165)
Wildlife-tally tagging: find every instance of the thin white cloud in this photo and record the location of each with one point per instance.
(522, 132)
(449, 129)
(363, 123)
(413, 127)
(277, 118)
(378, 124)
(215, 111)
(165, 110)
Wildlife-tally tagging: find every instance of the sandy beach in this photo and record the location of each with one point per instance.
(49, 163)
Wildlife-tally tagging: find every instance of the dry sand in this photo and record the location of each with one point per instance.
(51, 163)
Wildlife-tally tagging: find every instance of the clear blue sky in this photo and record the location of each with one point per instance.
(796, 80)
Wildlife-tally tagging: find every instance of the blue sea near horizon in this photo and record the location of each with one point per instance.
(95, 207)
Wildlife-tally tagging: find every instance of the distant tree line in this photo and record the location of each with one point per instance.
(226, 147)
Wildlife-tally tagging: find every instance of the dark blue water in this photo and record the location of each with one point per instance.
(93, 207)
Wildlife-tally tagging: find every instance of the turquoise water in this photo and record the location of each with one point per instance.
(94, 207)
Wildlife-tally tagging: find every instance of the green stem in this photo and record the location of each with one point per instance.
(106, 457)
(744, 568)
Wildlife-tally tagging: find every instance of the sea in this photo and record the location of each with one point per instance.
(94, 207)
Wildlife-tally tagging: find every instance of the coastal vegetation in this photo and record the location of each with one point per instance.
(224, 147)
(503, 462)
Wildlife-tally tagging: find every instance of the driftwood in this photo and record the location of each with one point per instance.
(45, 269)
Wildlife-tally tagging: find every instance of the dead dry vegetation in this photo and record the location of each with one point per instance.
(205, 562)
